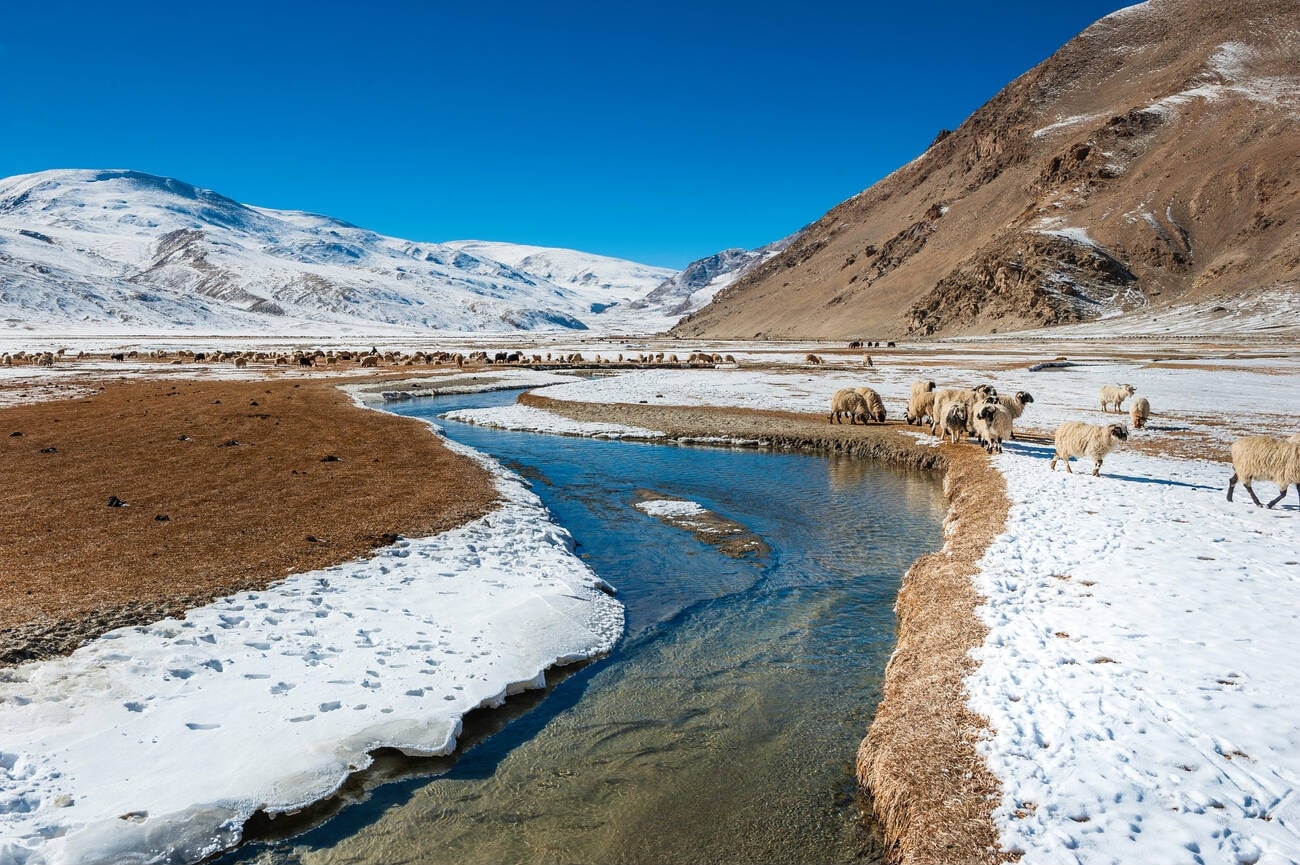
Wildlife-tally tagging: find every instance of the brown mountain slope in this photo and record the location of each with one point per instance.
(1153, 160)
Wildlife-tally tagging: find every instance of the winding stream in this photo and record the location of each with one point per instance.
(724, 727)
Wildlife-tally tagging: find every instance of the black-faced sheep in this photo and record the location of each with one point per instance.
(1115, 394)
(993, 425)
(968, 398)
(1078, 439)
(847, 401)
(953, 420)
(919, 407)
(1256, 457)
(1139, 412)
(875, 405)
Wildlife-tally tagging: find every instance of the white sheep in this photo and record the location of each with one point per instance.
(993, 425)
(953, 420)
(1139, 412)
(811, 358)
(920, 405)
(1078, 439)
(847, 401)
(1255, 457)
(968, 398)
(1115, 394)
(875, 405)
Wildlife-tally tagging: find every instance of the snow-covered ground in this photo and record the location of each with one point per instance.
(155, 744)
(1136, 677)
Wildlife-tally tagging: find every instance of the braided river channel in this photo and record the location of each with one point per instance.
(724, 726)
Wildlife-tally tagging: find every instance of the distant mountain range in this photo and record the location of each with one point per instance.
(1150, 168)
(122, 251)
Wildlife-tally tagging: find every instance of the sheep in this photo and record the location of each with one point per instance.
(921, 405)
(1255, 457)
(953, 420)
(968, 398)
(1116, 394)
(1078, 439)
(1015, 405)
(370, 360)
(812, 359)
(1139, 412)
(875, 405)
(993, 424)
(847, 401)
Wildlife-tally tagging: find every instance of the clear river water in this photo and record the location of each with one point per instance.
(723, 728)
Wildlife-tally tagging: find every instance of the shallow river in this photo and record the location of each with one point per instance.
(724, 726)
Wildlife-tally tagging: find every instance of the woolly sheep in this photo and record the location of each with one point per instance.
(920, 405)
(1139, 412)
(847, 401)
(1078, 439)
(968, 398)
(875, 405)
(1115, 394)
(953, 420)
(993, 425)
(812, 358)
(1256, 457)
(1015, 405)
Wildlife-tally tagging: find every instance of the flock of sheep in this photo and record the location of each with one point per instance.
(982, 414)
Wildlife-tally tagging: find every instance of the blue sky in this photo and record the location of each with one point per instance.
(657, 132)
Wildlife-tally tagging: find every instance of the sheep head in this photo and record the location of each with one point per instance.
(1118, 431)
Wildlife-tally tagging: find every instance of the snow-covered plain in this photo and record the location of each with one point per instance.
(1136, 676)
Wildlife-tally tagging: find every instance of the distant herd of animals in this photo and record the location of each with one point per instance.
(979, 412)
(983, 414)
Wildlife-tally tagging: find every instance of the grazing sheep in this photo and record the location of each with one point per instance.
(875, 405)
(811, 358)
(370, 360)
(1255, 457)
(1015, 405)
(993, 425)
(921, 405)
(1078, 439)
(953, 420)
(1115, 394)
(922, 387)
(847, 401)
(1139, 412)
(968, 398)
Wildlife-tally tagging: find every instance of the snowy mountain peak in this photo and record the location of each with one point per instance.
(121, 250)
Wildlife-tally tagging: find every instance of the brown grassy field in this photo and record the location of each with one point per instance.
(226, 486)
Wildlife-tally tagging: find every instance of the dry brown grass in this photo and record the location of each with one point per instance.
(228, 485)
(931, 791)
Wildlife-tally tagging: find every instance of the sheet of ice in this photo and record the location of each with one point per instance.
(670, 508)
(1136, 672)
(156, 743)
(528, 419)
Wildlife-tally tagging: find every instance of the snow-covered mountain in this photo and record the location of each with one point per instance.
(123, 251)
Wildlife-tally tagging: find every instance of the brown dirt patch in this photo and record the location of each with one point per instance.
(229, 486)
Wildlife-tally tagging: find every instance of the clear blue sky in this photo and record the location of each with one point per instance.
(657, 132)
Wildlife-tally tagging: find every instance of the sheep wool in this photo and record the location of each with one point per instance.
(1115, 394)
(875, 405)
(847, 401)
(1078, 439)
(1139, 412)
(993, 425)
(1263, 457)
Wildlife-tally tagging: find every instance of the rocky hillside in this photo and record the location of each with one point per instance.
(1152, 162)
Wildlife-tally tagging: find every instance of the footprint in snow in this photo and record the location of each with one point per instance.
(194, 726)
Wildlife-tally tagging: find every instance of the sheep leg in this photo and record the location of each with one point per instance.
(1096, 470)
(1253, 497)
(1282, 495)
(1232, 482)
